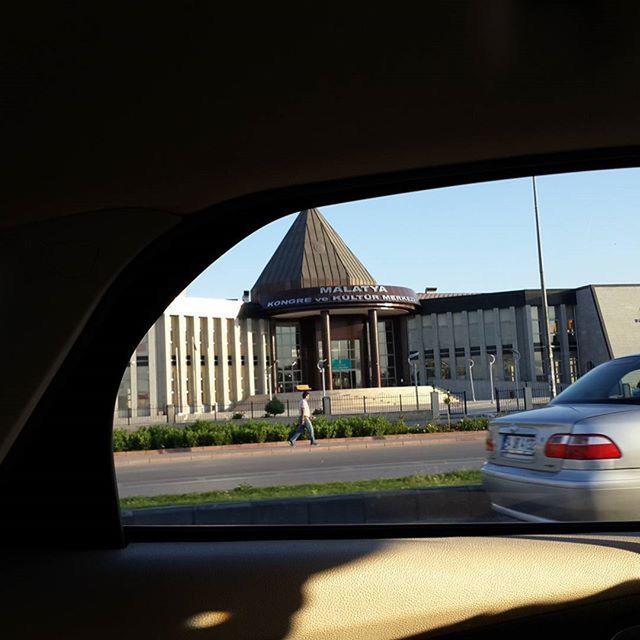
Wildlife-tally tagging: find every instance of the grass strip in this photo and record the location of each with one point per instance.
(249, 492)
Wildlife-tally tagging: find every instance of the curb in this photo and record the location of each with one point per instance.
(270, 448)
(464, 503)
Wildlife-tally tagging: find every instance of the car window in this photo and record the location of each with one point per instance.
(387, 360)
(615, 381)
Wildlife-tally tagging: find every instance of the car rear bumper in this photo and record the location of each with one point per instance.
(566, 495)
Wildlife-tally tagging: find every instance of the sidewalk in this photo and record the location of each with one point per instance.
(302, 447)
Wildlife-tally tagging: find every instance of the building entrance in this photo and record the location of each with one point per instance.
(346, 364)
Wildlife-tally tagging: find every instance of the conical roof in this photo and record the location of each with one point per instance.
(312, 254)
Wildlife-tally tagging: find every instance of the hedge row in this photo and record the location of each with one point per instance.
(204, 433)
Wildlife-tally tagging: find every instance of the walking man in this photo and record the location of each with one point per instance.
(304, 422)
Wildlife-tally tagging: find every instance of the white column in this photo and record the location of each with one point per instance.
(195, 349)
(152, 369)
(182, 371)
(263, 350)
(163, 360)
(133, 383)
(250, 384)
(236, 350)
(208, 349)
(222, 349)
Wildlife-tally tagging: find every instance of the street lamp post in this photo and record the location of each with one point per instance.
(545, 304)
(321, 364)
(492, 361)
(293, 364)
(473, 392)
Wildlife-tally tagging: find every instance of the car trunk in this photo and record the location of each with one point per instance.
(519, 440)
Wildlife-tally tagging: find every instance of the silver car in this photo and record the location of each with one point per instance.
(578, 458)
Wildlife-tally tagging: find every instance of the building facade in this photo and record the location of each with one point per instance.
(315, 308)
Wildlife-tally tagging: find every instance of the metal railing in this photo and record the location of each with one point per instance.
(338, 405)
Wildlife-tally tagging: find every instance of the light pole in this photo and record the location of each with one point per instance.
(492, 361)
(473, 392)
(293, 386)
(545, 304)
(321, 364)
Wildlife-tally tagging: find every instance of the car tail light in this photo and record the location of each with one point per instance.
(581, 447)
(489, 442)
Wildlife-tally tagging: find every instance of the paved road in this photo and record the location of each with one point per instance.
(283, 465)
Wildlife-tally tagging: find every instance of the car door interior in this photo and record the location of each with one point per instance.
(195, 126)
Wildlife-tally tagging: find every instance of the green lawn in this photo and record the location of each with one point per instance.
(248, 492)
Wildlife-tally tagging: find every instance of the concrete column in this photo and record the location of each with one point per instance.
(263, 338)
(236, 372)
(325, 321)
(422, 367)
(195, 348)
(163, 360)
(564, 345)
(375, 349)
(452, 346)
(222, 350)
(437, 364)
(153, 371)
(531, 363)
(208, 333)
(133, 385)
(180, 341)
(499, 359)
(250, 383)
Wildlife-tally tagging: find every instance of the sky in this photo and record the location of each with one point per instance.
(473, 238)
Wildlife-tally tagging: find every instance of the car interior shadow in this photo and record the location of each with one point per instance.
(598, 617)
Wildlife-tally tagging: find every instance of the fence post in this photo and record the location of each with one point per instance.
(528, 398)
(435, 405)
(497, 400)
(364, 403)
(400, 403)
(464, 399)
(252, 410)
(288, 414)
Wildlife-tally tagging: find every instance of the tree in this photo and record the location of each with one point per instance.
(274, 407)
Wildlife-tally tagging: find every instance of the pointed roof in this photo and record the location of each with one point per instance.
(312, 254)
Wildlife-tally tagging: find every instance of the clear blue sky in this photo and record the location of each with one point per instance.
(473, 238)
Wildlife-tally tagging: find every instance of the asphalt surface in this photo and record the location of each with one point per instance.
(302, 464)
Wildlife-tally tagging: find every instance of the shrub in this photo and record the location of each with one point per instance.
(139, 440)
(274, 407)
(472, 424)
(120, 440)
(318, 412)
(204, 433)
(238, 415)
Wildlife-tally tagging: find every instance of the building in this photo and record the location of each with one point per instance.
(315, 298)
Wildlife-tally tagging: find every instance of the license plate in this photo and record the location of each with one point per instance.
(518, 445)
